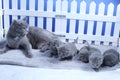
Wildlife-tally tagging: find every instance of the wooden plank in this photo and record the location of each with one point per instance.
(82, 22)
(73, 22)
(32, 8)
(58, 20)
(91, 23)
(63, 22)
(109, 24)
(49, 20)
(6, 17)
(14, 7)
(40, 9)
(101, 10)
(71, 16)
(1, 23)
(117, 25)
(23, 8)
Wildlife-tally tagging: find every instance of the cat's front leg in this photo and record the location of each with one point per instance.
(26, 47)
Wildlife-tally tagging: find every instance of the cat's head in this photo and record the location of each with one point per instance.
(63, 51)
(20, 26)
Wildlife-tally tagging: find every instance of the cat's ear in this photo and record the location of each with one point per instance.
(25, 19)
(14, 21)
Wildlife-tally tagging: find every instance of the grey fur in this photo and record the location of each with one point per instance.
(39, 37)
(91, 55)
(111, 58)
(66, 51)
(43, 40)
(85, 52)
(16, 37)
(96, 60)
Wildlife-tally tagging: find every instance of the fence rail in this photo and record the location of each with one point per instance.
(56, 16)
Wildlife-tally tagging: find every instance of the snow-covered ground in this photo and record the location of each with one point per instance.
(42, 67)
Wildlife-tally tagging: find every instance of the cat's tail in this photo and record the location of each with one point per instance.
(2, 43)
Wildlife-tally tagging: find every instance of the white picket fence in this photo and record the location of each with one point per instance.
(58, 19)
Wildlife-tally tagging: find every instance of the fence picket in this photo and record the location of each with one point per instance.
(49, 20)
(117, 25)
(109, 24)
(6, 17)
(64, 9)
(73, 22)
(101, 10)
(32, 8)
(23, 7)
(14, 7)
(41, 9)
(91, 23)
(58, 20)
(82, 22)
(1, 24)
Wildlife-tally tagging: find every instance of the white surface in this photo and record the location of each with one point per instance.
(52, 69)
(23, 73)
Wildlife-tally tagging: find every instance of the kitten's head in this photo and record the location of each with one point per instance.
(62, 51)
(84, 54)
(95, 60)
(84, 57)
(20, 26)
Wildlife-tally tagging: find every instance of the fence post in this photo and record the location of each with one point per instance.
(1, 23)
(49, 9)
(41, 9)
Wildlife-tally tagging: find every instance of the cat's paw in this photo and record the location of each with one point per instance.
(29, 55)
(44, 48)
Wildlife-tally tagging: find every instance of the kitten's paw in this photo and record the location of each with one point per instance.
(29, 55)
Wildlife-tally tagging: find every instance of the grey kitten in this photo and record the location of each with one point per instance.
(16, 37)
(91, 55)
(66, 51)
(85, 52)
(111, 58)
(96, 60)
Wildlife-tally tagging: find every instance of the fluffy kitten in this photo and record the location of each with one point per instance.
(111, 58)
(96, 60)
(66, 51)
(16, 37)
(85, 52)
(91, 55)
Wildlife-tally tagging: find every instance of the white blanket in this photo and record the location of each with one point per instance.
(41, 60)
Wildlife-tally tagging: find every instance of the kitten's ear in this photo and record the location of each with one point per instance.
(25, 19)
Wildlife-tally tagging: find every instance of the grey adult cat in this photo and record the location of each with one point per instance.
(111, 58)
(44, 40)
(16, 37)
